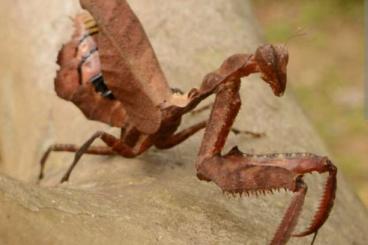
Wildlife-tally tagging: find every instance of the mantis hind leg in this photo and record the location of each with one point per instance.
(94, 150)
(116, 146)
(181, 136)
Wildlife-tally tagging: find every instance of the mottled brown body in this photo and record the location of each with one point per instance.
(109, 70)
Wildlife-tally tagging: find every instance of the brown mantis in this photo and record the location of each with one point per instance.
(109, 70)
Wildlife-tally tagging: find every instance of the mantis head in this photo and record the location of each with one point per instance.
(272, 61)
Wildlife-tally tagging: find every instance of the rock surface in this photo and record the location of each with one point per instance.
(155, 198)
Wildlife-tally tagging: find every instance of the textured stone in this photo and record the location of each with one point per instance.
(155, 198)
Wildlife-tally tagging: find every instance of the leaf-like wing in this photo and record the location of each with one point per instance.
(128, 63)
(69, 87)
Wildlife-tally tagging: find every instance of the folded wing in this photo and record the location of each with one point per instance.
(128, 63)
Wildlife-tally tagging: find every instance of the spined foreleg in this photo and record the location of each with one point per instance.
(240, 173)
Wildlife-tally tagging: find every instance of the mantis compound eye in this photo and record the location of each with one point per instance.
(272, 61)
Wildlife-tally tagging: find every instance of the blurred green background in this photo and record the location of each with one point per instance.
(326, 73)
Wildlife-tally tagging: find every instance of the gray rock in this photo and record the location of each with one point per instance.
(155, 198)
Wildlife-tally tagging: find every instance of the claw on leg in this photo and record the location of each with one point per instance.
(236, 172)
(326, 202)
(291, 216)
